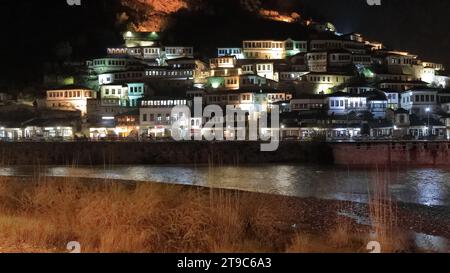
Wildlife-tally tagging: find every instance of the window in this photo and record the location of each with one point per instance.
(144, 117)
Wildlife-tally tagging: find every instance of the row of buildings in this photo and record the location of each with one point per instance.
(328, 86)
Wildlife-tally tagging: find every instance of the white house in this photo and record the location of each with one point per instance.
(262, 69)
(293, 47)
(175, 52)
(230, 51)
(264, 49)
(119, 92)
(354, 47)
(421, 101)
(393, 98)
(70, 98)
(114, 64)
(339, 58)
(378, 104)
(362, 59)
(151, 53)
(180, 72)
(435, 66)
(400, 85)
(120, 77)
(318, 83)
(308, 103)
(289, 76)
(222, 62)
(136, 92)
(358, 88)
(156, 116)
(317, 61)
(104, 109)
(341, 103)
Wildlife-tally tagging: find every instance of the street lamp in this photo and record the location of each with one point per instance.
(428, 110)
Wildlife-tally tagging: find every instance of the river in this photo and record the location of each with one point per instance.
(426, 186)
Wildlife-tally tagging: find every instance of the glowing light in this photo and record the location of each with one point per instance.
(157, 12)
(154, 36)
(277, 16)
(330, 27)
(69, 81)
(216, 82)
(366, 72)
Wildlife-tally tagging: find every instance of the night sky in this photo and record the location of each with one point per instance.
(33, 30)
(419, 26)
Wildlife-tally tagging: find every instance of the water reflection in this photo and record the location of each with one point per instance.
(423, 186)
(432, 243)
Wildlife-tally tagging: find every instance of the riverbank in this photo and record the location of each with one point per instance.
(170, 152)
(352, 154)
(43, 214)
(392, 153)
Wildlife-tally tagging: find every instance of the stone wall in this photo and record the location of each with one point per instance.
(392, 154)
(348, 154)
(99, 153)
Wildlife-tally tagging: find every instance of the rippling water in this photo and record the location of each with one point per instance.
(425, 186)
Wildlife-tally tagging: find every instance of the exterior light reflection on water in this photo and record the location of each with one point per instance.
(426, 186)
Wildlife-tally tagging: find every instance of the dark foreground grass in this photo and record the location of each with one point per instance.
(43, 214)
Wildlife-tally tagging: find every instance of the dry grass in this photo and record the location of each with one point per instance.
(43, 214)
(383, 216)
